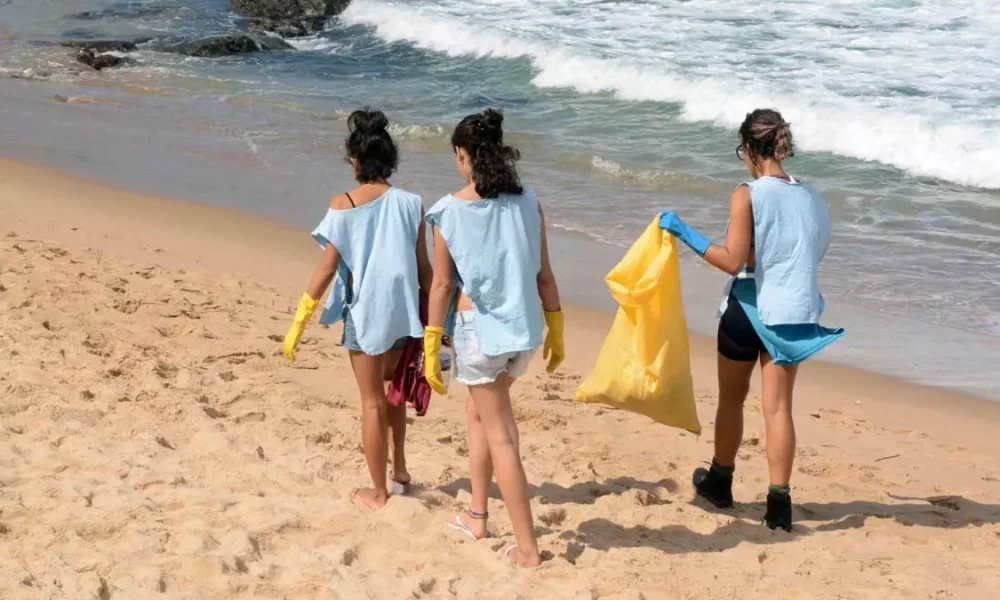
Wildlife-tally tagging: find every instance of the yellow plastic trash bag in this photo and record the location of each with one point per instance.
(644, 365)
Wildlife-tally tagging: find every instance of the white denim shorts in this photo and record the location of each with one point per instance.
(472, 367)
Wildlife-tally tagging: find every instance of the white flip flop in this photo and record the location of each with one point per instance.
(460, 525)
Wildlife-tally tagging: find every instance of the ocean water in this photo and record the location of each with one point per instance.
(621, 109)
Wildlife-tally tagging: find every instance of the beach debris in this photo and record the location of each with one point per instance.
(888, 457)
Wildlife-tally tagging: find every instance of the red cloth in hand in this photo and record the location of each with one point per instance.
(408, 382)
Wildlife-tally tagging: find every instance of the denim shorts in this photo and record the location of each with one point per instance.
(350, 338)
(472, 367)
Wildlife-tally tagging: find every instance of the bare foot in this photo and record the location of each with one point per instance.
(521, 558)
(373, 499)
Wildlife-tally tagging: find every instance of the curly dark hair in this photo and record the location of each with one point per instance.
(766, 134)
(370, 144)
(493, 170)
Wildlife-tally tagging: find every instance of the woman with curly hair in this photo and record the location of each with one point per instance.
(494, 287)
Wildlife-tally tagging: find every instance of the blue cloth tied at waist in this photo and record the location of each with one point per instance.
(787, 344)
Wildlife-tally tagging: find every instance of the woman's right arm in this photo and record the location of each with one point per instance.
(327, 269)
(324, 273)
(548, 291)
(443, 282)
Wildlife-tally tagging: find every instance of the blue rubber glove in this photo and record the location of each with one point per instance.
(684, 232)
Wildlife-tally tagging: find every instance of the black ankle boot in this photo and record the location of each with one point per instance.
(716, 488)
(779, 512)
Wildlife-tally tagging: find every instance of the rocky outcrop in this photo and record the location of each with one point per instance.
(95, 53)
(97, 61)
(227, 45)
(289, 18)
(289, 9)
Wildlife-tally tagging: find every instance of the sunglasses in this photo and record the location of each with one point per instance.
(739, 152)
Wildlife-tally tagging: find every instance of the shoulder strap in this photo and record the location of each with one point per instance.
(349, 199)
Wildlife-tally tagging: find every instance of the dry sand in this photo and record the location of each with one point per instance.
(154, 444)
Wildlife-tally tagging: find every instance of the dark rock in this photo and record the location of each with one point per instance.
(289, 18)
(285, 10)
(287, 29)
(100, 46)
(97, 61)
(227, 45)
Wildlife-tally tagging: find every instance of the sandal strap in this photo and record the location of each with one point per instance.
(481, 516)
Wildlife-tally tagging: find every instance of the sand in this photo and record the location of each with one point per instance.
(155, 444)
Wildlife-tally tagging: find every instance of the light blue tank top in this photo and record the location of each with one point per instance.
(791, 235)
(377, 243)
(496, 244)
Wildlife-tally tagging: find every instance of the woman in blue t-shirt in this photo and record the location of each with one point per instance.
(375, 255)
(492, 277)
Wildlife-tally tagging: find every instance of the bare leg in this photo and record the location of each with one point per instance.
(374, 426)
(480, 471)
(492, 402)
(397, 422)
(734, 384)
(778, 382)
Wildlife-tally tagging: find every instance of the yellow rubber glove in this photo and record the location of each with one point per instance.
(432, 359)
(554, 343)
(307, 306)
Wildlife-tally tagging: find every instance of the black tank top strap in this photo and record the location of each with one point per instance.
(349, 199)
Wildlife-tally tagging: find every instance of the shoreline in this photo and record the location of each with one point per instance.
(223, 243)
(197, 155)
(154, 442)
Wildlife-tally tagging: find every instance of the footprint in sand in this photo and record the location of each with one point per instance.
(127, 306)
(213, 413)
(250, 417)
(96, 345)
(165, 370)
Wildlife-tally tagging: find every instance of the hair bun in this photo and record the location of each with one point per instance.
(368, 120)
(492, 119)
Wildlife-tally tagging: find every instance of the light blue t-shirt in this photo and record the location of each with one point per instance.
(791, 225)
(377, 243)
(496, 244)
